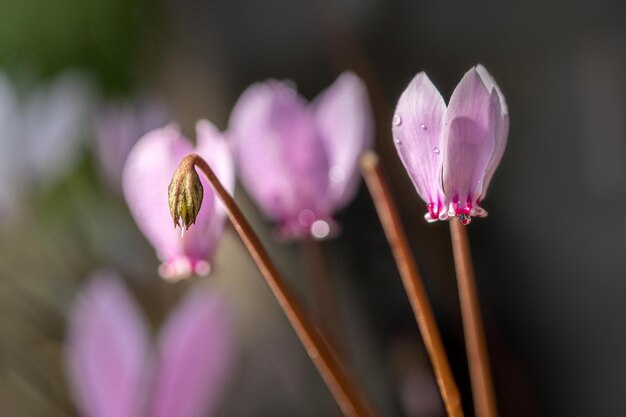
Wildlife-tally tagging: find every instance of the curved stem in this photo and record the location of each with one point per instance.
(349, 399)
(480, 374)
(412, 280)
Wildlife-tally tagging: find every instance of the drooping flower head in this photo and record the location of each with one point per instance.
(147, 175)
(451, 153)
(113, 370)
(299, 161)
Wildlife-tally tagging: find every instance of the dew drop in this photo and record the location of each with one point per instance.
(436, 150)
(320, 229)
(423, 126)
(397, 141)
(397, 119)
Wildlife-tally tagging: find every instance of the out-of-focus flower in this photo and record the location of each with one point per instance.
(40, 134)
(114, 372)
(146, 177)
(298, 161)
(117, 127)
(452, 153)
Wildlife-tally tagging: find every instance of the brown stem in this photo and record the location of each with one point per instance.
(348, 398)
(412, 281)
(324, 296)
(480, 374)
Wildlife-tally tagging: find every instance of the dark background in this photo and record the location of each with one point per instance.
(550, 258)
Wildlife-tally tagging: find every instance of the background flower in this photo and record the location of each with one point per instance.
(113, 370)
(147, 174)
(308, 167)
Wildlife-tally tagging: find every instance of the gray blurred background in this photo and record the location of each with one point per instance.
(550, 259)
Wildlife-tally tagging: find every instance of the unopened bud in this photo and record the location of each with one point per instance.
(185, 194)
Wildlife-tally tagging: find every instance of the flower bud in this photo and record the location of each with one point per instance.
(185, 194)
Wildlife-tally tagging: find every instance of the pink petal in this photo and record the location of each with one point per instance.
(344, 123)
(195, 356)
(106, 350)
(502, 126)
(282, 163)
(147, 174)
(417, 128)
(469, 139)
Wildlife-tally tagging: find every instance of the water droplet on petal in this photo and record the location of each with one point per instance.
(436, 150)
(464, 219)
(423, 126)
(397, 119)
(397, 141)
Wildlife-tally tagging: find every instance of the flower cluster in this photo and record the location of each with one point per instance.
(451, 153)
(299, 162)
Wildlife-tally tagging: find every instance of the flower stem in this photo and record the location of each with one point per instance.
(324, 295)
(349, 399)
(480, 374)
(412, 280)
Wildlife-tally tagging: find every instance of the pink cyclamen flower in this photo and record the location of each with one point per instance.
(451, 153)
(117, 127)
(113, 370)
(145, 180)
(299, 161)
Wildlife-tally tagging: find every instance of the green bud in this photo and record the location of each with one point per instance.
(185, 194)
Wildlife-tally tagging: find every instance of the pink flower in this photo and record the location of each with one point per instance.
(117, 127)
(452, 153)
(146, 177)
(114, 372)
(299, 161)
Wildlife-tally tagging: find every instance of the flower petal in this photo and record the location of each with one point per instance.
(344, 122)
(417, 128)
(195, 356)
(469, 139)
(502, 127)
(282, 163)
(147, 174)
(107, 346)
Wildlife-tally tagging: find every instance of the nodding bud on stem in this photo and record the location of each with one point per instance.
(185, 193)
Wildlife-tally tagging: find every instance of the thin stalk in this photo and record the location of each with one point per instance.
(412, 280)
(324, 295)
(480, 374)
(348, 397)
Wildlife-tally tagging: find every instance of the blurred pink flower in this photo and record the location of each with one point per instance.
(146, 177)
(452, 153)
(117, 127)
(114, 372)
(299, 161)
(40, 135)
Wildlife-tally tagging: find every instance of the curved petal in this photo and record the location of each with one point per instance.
(107, 346)
(195, 355)
(469, 139)
(147, 174)
(502, 126)
(344, 121)
(417, 128)
(282, 163)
